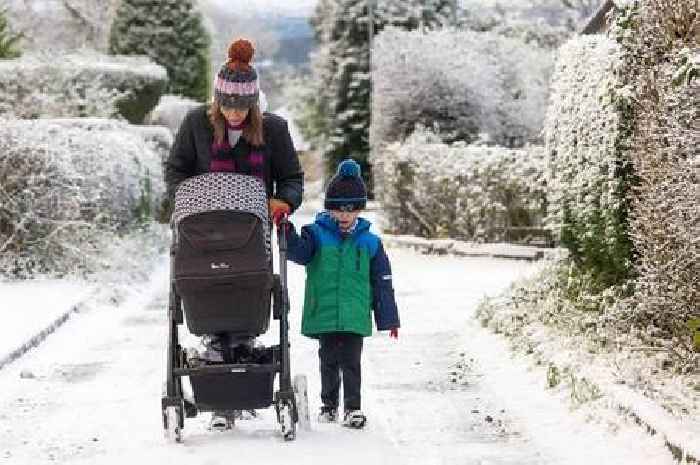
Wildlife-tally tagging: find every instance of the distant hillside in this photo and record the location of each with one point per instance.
(296, 40)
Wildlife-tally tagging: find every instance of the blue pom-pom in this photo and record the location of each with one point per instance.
(349, 169)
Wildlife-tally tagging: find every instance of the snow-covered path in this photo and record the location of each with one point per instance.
(91, 392)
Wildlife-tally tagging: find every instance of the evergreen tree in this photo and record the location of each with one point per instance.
(8, 40)
(341, 67)
(171, 33)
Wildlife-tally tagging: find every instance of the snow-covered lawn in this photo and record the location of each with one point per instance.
(447, 392)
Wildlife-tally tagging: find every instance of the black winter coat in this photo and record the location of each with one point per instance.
(191, 153)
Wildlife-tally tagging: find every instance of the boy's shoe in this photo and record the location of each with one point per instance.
(221, 421)
(354, 419)
(328, 414)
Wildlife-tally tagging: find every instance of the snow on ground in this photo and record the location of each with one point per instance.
(91, 392)
(29, 307)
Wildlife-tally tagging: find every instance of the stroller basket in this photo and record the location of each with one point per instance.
(222, 262)
(233, 391)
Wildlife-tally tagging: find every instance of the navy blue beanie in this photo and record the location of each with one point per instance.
(346, 188)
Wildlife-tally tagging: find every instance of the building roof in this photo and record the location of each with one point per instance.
(596, 22)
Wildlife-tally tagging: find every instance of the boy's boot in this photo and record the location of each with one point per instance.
(328, 414)
(354, 419)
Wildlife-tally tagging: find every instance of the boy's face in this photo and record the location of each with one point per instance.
(345, 219)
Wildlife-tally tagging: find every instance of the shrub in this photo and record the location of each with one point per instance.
(432, 189)
(465, 85)
(587, 142)
(64, 187)
(79, 84)
(661, 64)
(8, 40)
(171, 33)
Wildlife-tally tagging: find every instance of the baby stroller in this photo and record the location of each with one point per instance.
(221, 281)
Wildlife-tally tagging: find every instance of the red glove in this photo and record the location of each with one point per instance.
(394, 332)
(279, 209)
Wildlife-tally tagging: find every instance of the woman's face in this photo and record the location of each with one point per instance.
(235, 116)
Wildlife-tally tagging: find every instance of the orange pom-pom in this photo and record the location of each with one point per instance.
(240, 53)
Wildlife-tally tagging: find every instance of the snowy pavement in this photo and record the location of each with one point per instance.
(91, 392)
(31, 310)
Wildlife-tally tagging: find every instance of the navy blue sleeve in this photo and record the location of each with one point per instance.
(300, 249)
(386, 313)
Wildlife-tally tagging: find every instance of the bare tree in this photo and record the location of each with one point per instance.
(583, 8)
(95, 17)
(63, 24)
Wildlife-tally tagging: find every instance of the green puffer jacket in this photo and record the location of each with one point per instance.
(346, 278)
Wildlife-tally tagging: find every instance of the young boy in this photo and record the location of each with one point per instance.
(348, 275)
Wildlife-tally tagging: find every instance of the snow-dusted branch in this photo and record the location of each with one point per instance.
(67, 187)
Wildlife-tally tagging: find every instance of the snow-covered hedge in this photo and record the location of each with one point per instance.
(483, 193)
(661, 65)
(64, 187)
(587, 137)
(170, 111)
(79, 84)
(463, 84)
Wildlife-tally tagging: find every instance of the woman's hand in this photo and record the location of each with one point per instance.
(278, 209)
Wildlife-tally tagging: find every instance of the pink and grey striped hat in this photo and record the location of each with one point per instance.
(236, 84)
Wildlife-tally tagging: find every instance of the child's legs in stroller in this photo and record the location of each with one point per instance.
(224, 347)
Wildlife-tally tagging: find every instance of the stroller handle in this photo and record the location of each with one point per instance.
(282, 227)
(285, 375)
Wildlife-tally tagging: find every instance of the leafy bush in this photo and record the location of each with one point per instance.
(8, 40)
(65, 186)
(661, 65)
(171, 33)
(79, 84)
(587, 140)
(432, 189)
(465, 85)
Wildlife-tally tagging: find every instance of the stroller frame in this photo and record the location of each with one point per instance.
(175, 407)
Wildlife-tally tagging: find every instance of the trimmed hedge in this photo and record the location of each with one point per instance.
(587, 131)
(478, 193)
(80, 84)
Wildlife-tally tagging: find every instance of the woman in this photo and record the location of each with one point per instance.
(233, 135)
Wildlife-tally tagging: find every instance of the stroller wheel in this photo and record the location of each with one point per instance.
(287, 425)
(302, 401)
(173, 431)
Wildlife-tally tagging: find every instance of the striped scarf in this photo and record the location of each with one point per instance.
(242, 158)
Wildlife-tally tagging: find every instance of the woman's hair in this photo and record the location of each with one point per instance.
(252, 132)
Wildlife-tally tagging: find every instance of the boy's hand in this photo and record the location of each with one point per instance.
(279, 209)
(394, 333)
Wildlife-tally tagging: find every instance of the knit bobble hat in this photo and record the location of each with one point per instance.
(236, 84)
(346, 188)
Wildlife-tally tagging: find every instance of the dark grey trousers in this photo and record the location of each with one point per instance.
(340, 354)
